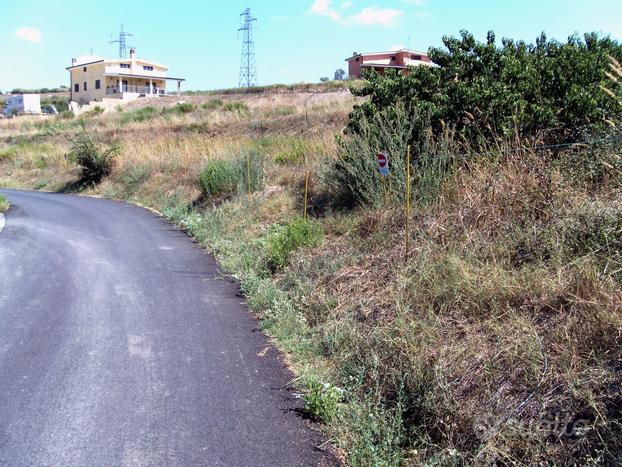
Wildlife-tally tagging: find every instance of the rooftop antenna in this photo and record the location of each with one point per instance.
(122, 41)
(248, 69)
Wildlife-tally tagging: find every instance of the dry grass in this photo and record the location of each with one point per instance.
(497, 320)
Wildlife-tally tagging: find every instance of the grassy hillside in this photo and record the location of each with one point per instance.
(495, 336)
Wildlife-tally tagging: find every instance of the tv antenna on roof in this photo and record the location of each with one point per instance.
(248, 69)
(122, 41)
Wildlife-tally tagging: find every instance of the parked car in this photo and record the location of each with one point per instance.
(49, 110)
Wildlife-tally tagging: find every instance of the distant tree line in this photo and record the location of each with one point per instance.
(61, 88)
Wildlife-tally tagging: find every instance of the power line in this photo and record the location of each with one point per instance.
(248, 69)
(122, 41)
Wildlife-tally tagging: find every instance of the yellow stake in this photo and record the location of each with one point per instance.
(407, 210)
(306, 193)
(385, 190)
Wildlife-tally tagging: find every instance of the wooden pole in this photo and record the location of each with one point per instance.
(407, 204)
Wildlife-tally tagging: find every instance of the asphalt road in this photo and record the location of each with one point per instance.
(121, 343)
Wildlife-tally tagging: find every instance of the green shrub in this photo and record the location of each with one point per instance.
(4, 204)
(66, 115)
(95, 112)
(212, 104)
(281, 111)
(244, 172)
(218, 178)
(321, 400)
(135, 175)
(292, 154)
(284, 240)
(235, 106)
(95, 161)
(484, 90)
(144, 113)
(181, 108)
(251, 171)
(8, 153)
(354, 178)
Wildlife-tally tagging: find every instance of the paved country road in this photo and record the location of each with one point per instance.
(121, 343)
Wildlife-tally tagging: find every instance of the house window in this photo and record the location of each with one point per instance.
(98, 84)
(84, 87)
(357, 59)
(84, 69)
(416, 57)
(124, 65)
(148, 68)
(392, 58)
(76, 87)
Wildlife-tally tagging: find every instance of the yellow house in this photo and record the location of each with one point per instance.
(94, 78)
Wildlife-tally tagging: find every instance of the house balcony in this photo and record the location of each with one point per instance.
(132, 89)
(117, 70)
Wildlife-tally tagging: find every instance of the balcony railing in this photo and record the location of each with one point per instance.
(138, 70)
(111, 90)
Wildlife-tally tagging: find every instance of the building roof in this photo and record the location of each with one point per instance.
(84, 60)
(390, 52)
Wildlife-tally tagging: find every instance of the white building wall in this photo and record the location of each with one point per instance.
(23, 103)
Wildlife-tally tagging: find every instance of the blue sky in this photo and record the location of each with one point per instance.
(296, 40)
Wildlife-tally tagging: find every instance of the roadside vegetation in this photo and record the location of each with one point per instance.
(4, 204)
(482, 326)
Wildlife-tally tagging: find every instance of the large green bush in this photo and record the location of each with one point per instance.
(354, 179)
(286, 239)
(218, 177)
(95, 160)
(484, 90)
(243, 173)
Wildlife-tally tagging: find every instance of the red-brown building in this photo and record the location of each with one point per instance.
(380, 61)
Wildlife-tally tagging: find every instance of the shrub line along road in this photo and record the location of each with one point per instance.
(121, 343)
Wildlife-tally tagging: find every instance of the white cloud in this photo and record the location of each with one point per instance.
(29, 34)
(372, 15)
(345, 5)
(377, 16)
(323, 8)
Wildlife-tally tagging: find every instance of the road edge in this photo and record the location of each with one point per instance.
(2, 222)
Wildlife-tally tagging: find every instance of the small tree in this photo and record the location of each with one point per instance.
(324, 79)
(340, 74)
(94, 160)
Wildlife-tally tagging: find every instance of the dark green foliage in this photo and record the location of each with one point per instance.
(235, 106)
(354, 179)
(218, 178)
(144, 113)
(59, 102)
(134, 175)
(139, 115)
(182, 108)
(483, 90)
(284, 240)
(225, 177)
(94, 160)
(66, 115)
(212, 104)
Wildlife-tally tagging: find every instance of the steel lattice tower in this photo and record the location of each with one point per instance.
(122, 41)
(248, 69)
